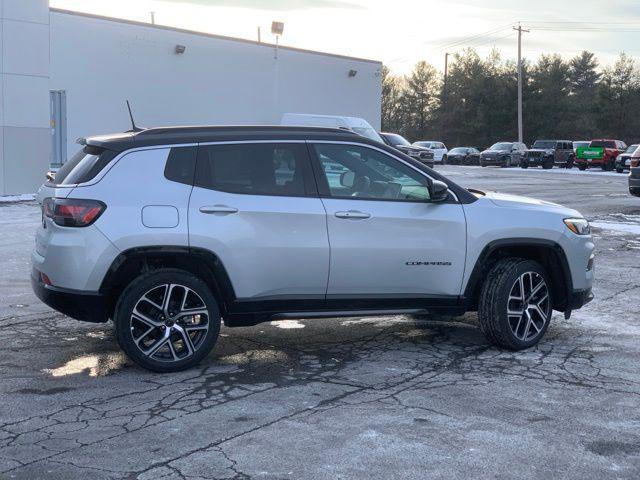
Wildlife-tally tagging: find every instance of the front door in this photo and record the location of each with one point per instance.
(387, 239)
(255, 205)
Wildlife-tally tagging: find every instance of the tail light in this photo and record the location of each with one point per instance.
(72, 212)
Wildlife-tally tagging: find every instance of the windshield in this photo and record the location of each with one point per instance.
(458, 150)
(544, 144)
(368, 132)
(502, 146)
(396, 139)
(632, 148)
(603, 143)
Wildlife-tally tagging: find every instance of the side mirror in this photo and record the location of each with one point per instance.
(439, 191)
(347, 179)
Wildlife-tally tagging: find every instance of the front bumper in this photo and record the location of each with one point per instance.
(498, 161)
(579, 298)
(77, 304)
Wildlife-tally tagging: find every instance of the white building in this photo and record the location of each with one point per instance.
(66, 75)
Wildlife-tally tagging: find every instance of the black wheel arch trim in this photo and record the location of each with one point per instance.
(205, 259)
(482, 265)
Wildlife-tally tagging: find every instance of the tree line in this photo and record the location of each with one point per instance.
(570, 99)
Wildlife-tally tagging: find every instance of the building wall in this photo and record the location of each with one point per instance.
(100, 63)
(24, 95)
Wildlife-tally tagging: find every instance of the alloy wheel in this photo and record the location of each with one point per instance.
(169, 322)
(528, 306)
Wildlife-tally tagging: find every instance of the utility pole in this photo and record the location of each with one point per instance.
(445, 94)
(153, 18)
(519, 29)
(259, 35)
(446, 64)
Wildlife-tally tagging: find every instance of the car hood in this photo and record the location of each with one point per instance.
(494, 153)
(407, 148)
(508, 200)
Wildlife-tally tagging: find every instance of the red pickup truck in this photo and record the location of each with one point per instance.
(600, 153)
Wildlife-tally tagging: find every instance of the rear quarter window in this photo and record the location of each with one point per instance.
(181, 165)
(84, 165)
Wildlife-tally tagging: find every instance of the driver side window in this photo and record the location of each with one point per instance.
(357, 172)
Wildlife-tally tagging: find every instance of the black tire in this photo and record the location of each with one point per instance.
(482, 164)
(582, 167)
(524, 164)
(494, 301)
(547, 164)
(619, 170)
(150, 282)
(569, 164)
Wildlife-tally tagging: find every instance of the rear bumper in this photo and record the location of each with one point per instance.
(80, 305)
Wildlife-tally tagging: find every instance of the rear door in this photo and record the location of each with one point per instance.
(255, 205)
(387, 239)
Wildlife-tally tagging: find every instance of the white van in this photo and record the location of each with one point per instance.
(355, 124)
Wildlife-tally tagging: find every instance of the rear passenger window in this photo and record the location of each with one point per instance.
(181, 165)
(256, 169)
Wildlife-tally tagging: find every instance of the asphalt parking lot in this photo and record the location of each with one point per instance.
(392, 397)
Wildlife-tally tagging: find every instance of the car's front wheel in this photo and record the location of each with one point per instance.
(167, 320)
(515, 305)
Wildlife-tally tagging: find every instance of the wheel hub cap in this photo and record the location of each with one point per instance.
(528, 306)
(169, 322)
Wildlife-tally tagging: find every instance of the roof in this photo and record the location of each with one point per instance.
(216, 133)
(247, 133)
(208, 35)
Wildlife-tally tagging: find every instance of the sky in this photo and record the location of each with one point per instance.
(402, 32)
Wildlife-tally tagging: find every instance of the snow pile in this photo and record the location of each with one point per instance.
(25, 197)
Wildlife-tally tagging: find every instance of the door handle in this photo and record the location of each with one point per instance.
(352, 214)
(218, 209)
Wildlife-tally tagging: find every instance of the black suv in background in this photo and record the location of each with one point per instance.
(503, 154)
(547, 153)
(400, 143)
(462, 156)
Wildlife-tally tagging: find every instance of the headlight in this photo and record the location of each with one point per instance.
(579, 226)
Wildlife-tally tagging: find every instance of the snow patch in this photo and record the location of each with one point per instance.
(287, 324)
(618, 227)
(25, 197)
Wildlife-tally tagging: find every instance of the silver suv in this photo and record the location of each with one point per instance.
(170, 231)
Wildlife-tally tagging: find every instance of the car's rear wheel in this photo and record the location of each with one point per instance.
(582, 167)
(547, 164)
(515, 304)
(167, 320)
(619, 170)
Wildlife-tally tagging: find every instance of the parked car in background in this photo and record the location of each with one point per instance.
(400, 143)
(634, 176)
(600, 153)
(503, 154)
(462, 156)
(623, 161)
(580, 144)
(354, 124)
(439, 149)
(547, 153)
